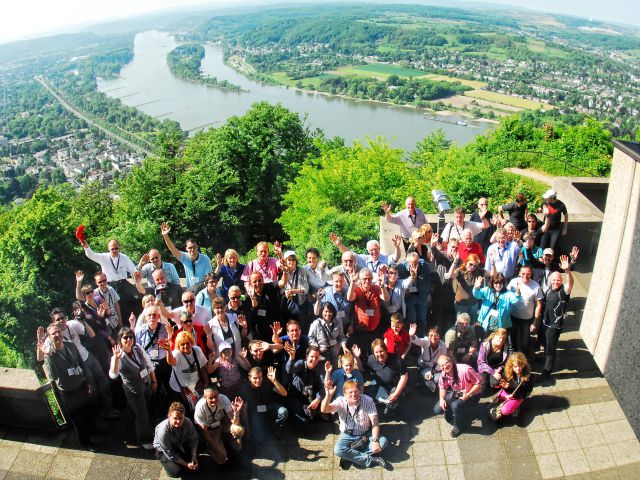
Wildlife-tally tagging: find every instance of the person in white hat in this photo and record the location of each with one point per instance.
(556, 219)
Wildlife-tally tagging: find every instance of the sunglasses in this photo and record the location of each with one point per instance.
(187, 321)
(189, 300)
(127, 337)
(234, 298)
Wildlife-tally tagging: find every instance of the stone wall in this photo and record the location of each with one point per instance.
(610, 322)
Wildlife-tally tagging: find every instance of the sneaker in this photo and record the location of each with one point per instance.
(378, 462)
(495, 413)
(455, 432)
(345, 464)
(147, 446)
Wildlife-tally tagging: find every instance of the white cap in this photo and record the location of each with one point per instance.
(224, 346)
(549, 193)
(289, 253)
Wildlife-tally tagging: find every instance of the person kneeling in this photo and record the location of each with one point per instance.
(360, 439)
(516, 385)
(216, 415)
(176, 443)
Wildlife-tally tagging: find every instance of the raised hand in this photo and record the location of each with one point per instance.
(132, 320)
(271, 374)
(219, 260)
(355, 349)
(574, 254)
(413, 328)
(276, 328)
(330, 389)
(277, 248)
(79, 276)
(242, 321)
(516, 235)
(145, 259)
(236, 405)
(328, 368)
(244, 353)
(169, 329)
(117, 350)
(40, 334)
(386, 208)
(137, 276)
(335, 239)
(396, 239)
(264, 346)
(434, 239)
(290, 349)
(322, 265)
(478, 283)
(102, 310)
(165, 229)
(564, 262)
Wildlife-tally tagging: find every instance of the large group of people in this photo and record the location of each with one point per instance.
(227, 361)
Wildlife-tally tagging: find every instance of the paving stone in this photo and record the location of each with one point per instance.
(599, 458)
(556, 420)
(401, 474)
(631, 471)
(590, 436)
(541, 442)
(68, 467)
(516, 446)
(357, 474)
(32, 463)
(428, 453)
(537, 424)
(564, 440)
(452, 452)
(105, 467)
(549, 465)
(484, 470)
(573, 462)
(305, 458)
(479, 449)
(522, 467)
(617, 431)
(581, 415)
(625, 452)
(399, 456)
(607, 411)
(268, 473)
(428, 430)
(8, 456)
(456, 472)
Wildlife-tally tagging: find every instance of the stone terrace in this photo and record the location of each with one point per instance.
(572, 427)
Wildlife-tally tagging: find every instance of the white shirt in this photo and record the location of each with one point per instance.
(317, 278)
(72, 334)
(115, 268)
(356, 418)
(529, 294)
(201, 316)
(406, 223)
(451, 230)
(186, 371)
(210, 417)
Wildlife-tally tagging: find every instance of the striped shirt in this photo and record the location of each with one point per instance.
(356, 420)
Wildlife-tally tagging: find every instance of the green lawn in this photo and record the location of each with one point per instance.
(283, 78)
(379, 70)
(507, 99)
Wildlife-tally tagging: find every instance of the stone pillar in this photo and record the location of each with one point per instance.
(610, 323)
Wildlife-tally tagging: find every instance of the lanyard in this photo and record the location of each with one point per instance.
(131, 357)
(352, 417)
(213, 413)
(194, 263)
(501, 255)
(374, 267)
(413, 218)
(264, 269)
(70, 359)
(115, 265)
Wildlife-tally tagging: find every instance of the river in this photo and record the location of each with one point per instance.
(147, 84)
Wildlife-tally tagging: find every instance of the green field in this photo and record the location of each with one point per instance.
(382, 69)
(283, 78)
(444, 78)
(507, 100)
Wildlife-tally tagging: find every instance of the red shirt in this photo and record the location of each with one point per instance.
(199, 334)
(464, 251)
(366, 303)
(396, 343)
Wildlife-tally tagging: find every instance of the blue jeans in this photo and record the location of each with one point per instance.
(360, 457)
(417, 310)
(261, 423)
(459, 412)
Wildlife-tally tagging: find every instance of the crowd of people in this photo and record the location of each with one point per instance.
(226, 362)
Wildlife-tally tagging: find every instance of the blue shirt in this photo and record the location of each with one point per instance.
(339, 377)
(195, 271)
(168, 268)
(364, 260)
(422, 283)
(339, 300)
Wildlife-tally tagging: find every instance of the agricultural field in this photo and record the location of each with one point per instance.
(444, 78)
(507, 100)
(283, 78)
(380, 70)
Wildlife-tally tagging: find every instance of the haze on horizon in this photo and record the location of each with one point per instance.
(24, 19)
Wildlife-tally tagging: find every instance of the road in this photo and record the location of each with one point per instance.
(82, 116)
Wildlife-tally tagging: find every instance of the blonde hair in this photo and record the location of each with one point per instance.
(184, 337)
(345, 357)
(229, 252)
(397, 318)
(514, 359)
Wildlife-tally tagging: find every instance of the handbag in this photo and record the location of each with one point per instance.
(496, 412)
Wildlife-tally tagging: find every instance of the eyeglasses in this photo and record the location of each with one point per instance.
(187, 321)
(189, 300)
(234, 298)
(127, 337)
(498, 283)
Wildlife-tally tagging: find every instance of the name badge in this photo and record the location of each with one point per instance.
(154, 353)
(333, 343)
(413, 289)
(369, 312)
(340, 314)
(461, 350)
(493, 313)
(73, 371)
(392, 309)
(261, 408)
(195, 279)
(262, 312)
(214, 425)
(143, 373)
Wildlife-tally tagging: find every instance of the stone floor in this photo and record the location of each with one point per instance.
(571, 427)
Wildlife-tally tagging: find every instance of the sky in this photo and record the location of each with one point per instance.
(30, 18)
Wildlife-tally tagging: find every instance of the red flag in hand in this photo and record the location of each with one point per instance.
(80, 234)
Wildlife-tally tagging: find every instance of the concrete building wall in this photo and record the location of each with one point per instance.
(610, 322)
